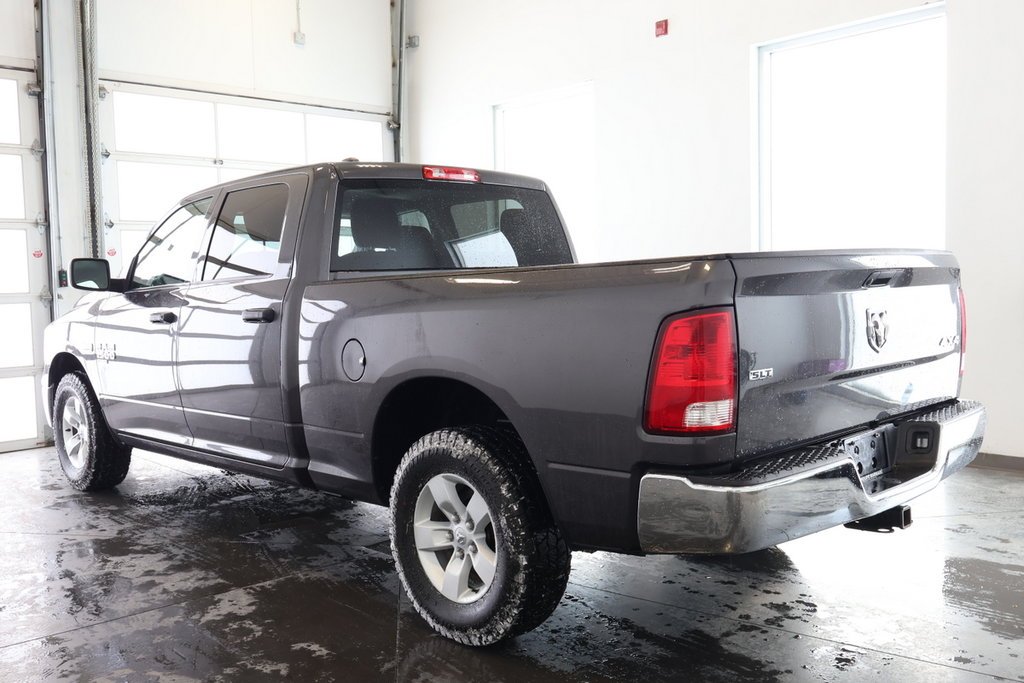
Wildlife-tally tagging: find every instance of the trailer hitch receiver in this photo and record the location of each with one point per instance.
(884, 522)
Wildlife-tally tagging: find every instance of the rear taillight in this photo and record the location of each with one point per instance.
(692, 387)
(963, 331)
(446, 173)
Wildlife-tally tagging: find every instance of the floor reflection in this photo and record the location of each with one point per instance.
(187, 573)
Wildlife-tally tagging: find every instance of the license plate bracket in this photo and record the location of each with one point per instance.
(870, 452)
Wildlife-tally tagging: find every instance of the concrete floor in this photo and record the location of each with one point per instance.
(186, 573)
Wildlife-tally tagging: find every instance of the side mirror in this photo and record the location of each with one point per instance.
(90, 274)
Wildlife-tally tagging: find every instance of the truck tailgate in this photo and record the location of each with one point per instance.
(832, 341)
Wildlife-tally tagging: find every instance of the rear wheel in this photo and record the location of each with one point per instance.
(92, 459)
(473, 542)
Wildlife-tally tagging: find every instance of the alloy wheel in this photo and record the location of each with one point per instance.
(455, 538)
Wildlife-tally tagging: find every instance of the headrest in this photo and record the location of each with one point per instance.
(513, 220)
(375, 224)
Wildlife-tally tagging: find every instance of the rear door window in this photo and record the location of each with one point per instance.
(247, 235)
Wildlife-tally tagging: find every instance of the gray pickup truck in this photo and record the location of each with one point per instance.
(420, 337)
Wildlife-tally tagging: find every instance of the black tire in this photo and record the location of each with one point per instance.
(92, 459)
(486, 470)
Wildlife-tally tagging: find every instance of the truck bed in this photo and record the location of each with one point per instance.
(565, 351)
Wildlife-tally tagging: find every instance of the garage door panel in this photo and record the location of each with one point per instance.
(243, 134)
(14, 273)
(10, 123)
(12, 187)
(18, 405)
(154, 124)
(16, 347)
(147, 190)
(335, 138)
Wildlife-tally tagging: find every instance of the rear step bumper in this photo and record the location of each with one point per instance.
(805, 491)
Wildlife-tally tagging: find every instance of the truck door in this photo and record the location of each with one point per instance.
(229, 342)
(135, 331)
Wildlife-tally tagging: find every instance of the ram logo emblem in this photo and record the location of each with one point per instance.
(878, 329)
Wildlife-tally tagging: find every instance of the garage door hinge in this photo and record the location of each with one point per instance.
(45, 295)
(393, 125)
(37, 149)
(33, 89)
(41, 223)
(104, 152)
(102, 92)
(108, 223)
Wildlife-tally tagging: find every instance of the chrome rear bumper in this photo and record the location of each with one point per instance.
(802, 492)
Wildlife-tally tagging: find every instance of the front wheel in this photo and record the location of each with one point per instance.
(473, 542)
(92, 459)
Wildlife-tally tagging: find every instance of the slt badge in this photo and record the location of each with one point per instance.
(878, 329)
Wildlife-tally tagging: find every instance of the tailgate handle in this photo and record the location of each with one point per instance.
(881, 278)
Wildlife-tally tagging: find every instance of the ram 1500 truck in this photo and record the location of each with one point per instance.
(420, 337)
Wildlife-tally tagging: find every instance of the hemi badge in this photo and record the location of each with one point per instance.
(761, 374)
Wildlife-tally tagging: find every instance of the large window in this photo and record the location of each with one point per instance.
(853, 136)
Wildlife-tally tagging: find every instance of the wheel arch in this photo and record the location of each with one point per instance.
(62, 364)
(423, 405)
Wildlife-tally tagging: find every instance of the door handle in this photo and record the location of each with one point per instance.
(164, 318)
(258, 315)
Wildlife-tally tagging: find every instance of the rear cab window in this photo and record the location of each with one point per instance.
(424, 225)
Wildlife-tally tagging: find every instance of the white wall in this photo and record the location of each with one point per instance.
(246, 47)
(674, 127)
(985, 208)
(673, 113)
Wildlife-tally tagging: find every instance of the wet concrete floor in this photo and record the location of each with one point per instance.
(187, 573)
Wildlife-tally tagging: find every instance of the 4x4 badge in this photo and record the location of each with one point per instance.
(878, 329)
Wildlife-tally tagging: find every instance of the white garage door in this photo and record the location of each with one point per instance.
(24, 295)
(161, 144)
